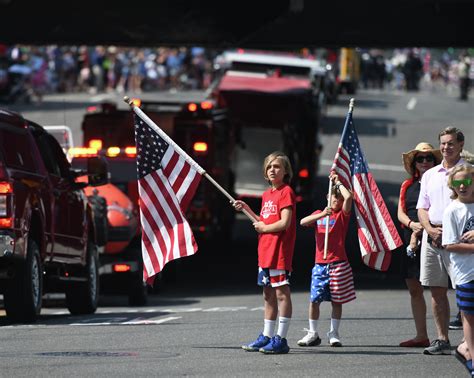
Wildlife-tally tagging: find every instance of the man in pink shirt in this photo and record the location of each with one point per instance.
(434, 197)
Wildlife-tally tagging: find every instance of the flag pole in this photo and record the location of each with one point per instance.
(181, 152)
(326, 234)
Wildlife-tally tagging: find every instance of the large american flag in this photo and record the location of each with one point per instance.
(377, 233)
(166, 185)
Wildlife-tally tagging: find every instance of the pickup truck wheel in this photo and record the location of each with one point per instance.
(23, 295)
(83, 297)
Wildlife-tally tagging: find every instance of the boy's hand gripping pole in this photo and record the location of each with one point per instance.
(180, 151)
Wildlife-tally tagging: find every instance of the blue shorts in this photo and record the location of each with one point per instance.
(332, 282)
(465, 297)
(273, 277)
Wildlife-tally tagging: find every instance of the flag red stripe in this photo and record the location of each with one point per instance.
(176, 185)
(150, 251)
(152, 222)
(188, 196)
(177, 222)
(169, 166)
(366, 217)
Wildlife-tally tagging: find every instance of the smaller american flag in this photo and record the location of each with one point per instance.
(378, 235)
(166, 184)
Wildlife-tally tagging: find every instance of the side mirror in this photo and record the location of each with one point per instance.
(97, 170)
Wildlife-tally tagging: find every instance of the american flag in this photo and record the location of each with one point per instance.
(166, 185)
(377, 233)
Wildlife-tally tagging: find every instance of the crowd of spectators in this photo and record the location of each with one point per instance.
(96, 69)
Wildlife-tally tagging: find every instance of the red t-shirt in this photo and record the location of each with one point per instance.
(338, 225)
(275, 250)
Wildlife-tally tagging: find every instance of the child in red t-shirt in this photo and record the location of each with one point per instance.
(331, 278)
(276, 242)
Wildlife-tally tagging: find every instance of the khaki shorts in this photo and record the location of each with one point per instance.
(435, 265)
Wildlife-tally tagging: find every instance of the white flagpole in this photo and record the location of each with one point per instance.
(181, 152)
(326, 235)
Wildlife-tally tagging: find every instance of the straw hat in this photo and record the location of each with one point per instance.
(420, 147)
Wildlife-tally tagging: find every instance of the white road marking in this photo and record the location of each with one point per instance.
(412, 103)
(121, 321)
(225, 309)
(372, 166)
(140, 321)
(174, 310)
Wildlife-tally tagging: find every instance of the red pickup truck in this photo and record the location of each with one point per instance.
(48, 241)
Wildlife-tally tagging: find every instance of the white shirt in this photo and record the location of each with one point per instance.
(458, 218)
(435, 194)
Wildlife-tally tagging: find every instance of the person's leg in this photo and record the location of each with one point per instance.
(418, 308)
(440, 306)
(468, 329)
(333, 334)
(270, 303)
(313, 312)
(278, 343)
(270, 314)
(285, 308)
(336, 311)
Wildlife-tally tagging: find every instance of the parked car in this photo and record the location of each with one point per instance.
(48, 241)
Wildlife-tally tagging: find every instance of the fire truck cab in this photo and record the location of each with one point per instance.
(275, 102)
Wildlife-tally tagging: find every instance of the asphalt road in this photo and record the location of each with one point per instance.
(209, 305)
(197, 330)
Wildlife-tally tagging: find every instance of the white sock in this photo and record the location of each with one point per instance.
(313, 326)
(335, 325)
(283, 325)
(268, 327)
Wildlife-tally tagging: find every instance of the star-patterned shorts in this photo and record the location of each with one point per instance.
(273, 277)
(332, 282)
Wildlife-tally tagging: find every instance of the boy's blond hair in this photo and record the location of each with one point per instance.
(285, 163)
(458, 168)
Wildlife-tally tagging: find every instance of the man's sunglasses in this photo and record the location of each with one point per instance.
(428, 158)
(458, 183)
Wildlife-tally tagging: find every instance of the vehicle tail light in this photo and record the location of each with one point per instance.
(122, 268)
(303, 173)
(92, 109)
(6, 190)
(206, 105)
(192, 107)
(131, 151)
(6, 222)
(200, 147)
(96, 144)
(113, 151)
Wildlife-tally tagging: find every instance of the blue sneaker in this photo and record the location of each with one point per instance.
(257, 344)
(277, 345)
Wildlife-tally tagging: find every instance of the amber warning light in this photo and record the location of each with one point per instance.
(122, 268)
(200, 147)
